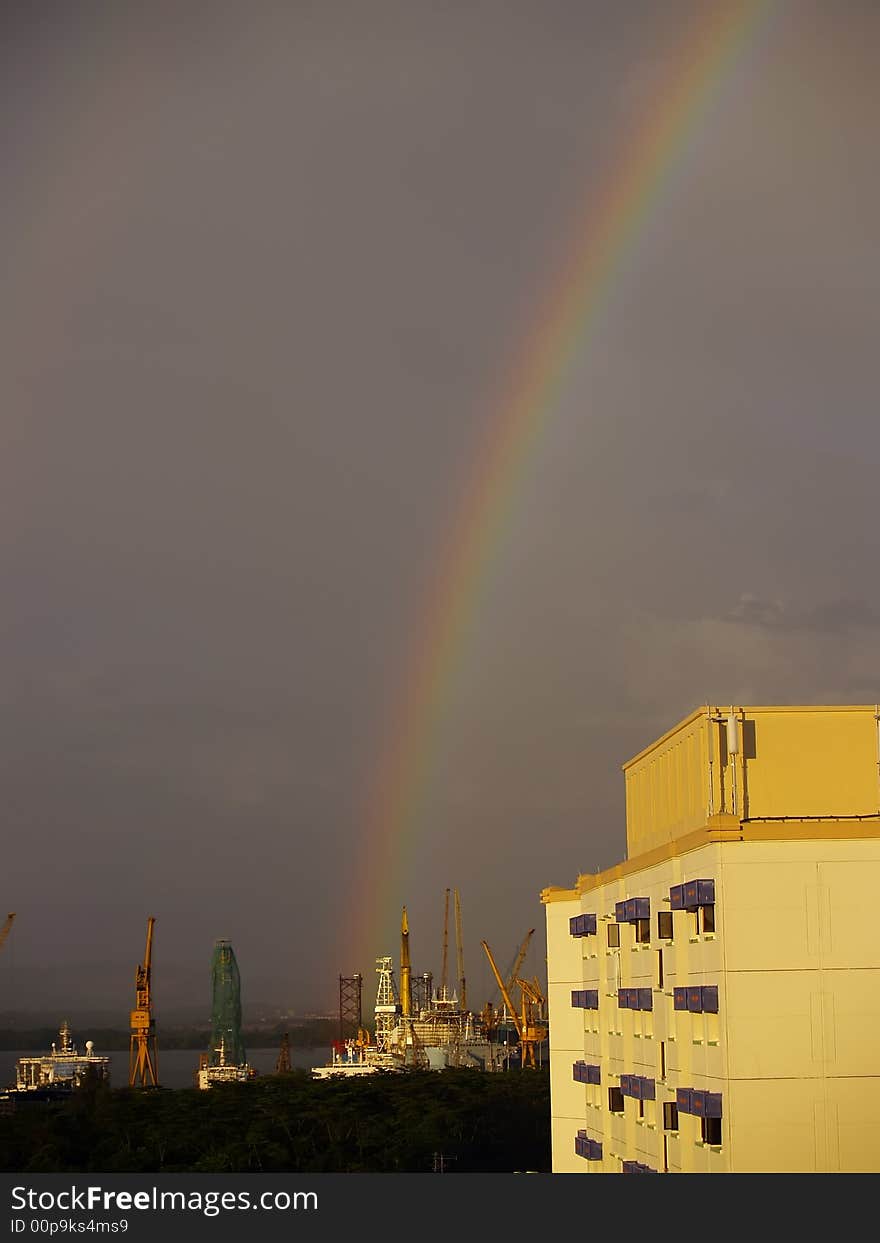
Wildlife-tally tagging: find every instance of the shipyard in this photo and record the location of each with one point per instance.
(415, 1026)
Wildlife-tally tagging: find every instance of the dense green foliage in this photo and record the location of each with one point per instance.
(480, 1123)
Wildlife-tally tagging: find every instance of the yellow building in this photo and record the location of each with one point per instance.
(715, 998)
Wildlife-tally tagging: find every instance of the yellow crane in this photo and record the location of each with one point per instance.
(520, 958)
(405, 969)
(444, 977)
(7, 926)
(459, 949)
(531, 1031)
(490, 1017)
(143, 1057)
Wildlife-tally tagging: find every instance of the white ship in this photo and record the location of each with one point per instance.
(222, 1071)
(61, 1070)
(353, 1058)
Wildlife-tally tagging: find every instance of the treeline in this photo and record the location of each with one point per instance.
(309, 1035)
(387, 1123)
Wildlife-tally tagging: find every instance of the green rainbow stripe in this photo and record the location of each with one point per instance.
(608, 232)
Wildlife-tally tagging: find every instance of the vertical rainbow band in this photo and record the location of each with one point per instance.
(608, 231)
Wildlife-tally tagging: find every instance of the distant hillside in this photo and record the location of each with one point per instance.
(304, 1034)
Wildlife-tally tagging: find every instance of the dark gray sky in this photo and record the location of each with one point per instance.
(262, 266)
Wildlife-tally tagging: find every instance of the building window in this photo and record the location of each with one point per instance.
(659, 968)
(711, 1131)
(643, 931)
(664, 925)
(613, 936)
(707, 918)
(662, 1059)
(615, 1100)
(670, 1116)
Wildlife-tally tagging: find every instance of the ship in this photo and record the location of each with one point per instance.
(351, 1059)
(220, 1071)
(443, 1034)
(58, 1073)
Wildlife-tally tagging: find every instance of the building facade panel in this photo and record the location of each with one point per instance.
(734, 972)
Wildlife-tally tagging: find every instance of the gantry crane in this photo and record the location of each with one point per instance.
(143, 1057)
(7, 926)
(531, 1031)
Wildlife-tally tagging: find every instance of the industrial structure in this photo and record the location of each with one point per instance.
(713, 997)
(350, 1006)
(415, 1027)
(531, 1028)
(58, 1073)
(226, 1060)
(143, 1058)
(7, 927)
(282, 1064)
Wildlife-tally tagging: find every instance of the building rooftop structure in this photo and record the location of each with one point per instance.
(713, 996)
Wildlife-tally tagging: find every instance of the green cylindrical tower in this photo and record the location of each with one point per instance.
(225, 1008)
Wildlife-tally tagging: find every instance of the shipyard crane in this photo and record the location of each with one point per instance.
(7, 927)
(529, 1031)
(444, 979)
(489, 1015)
(405, 969)
(520, 958)
(459, 949)
(143, 1058)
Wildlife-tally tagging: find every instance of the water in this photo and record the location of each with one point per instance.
(176, 1066)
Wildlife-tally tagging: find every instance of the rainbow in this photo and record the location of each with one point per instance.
(607, 233)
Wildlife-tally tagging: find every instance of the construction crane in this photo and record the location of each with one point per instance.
(459, 950)
(530, 1031)
(444, 978)
(143, 1058)
(405, 969)
(520, 958)
(7, 926)
(489, 1015)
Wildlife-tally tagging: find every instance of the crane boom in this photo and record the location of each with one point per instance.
(444, 978)
(504, 993)
(459, 949)
(5, 930)
(518, 961)
(148, 952)
(405, 969)
(531, 1032)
